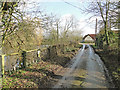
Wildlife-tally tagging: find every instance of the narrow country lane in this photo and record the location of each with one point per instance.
(87, 71)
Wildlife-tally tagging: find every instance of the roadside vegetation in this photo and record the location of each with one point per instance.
(110, 57)
(42, 74)
(20, 33)
(107, 39)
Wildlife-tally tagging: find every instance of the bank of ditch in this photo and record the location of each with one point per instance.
(42, 74)
(60, 54)
(110, 59)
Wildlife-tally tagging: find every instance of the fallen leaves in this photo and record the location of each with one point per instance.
(37, 75)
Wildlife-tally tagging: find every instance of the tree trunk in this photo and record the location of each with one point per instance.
(106, 34)
(119, 31)
(57, 33)
(3, 66)
(106, 23)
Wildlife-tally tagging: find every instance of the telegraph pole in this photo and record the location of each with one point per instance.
(95, 31)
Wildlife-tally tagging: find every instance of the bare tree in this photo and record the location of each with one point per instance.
(10, 16)
(104, 10)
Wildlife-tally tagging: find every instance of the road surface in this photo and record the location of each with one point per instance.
(86, 71)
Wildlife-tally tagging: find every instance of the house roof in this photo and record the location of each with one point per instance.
(91, 35)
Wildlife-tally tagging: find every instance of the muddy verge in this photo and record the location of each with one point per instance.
(110, 59)
(60, 54)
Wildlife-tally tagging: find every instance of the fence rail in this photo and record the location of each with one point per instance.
(25, 58)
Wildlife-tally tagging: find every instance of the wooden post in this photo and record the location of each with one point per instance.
(24, 59)
(48, 52)
(3, 66)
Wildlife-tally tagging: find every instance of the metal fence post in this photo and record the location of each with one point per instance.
(39, 53)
